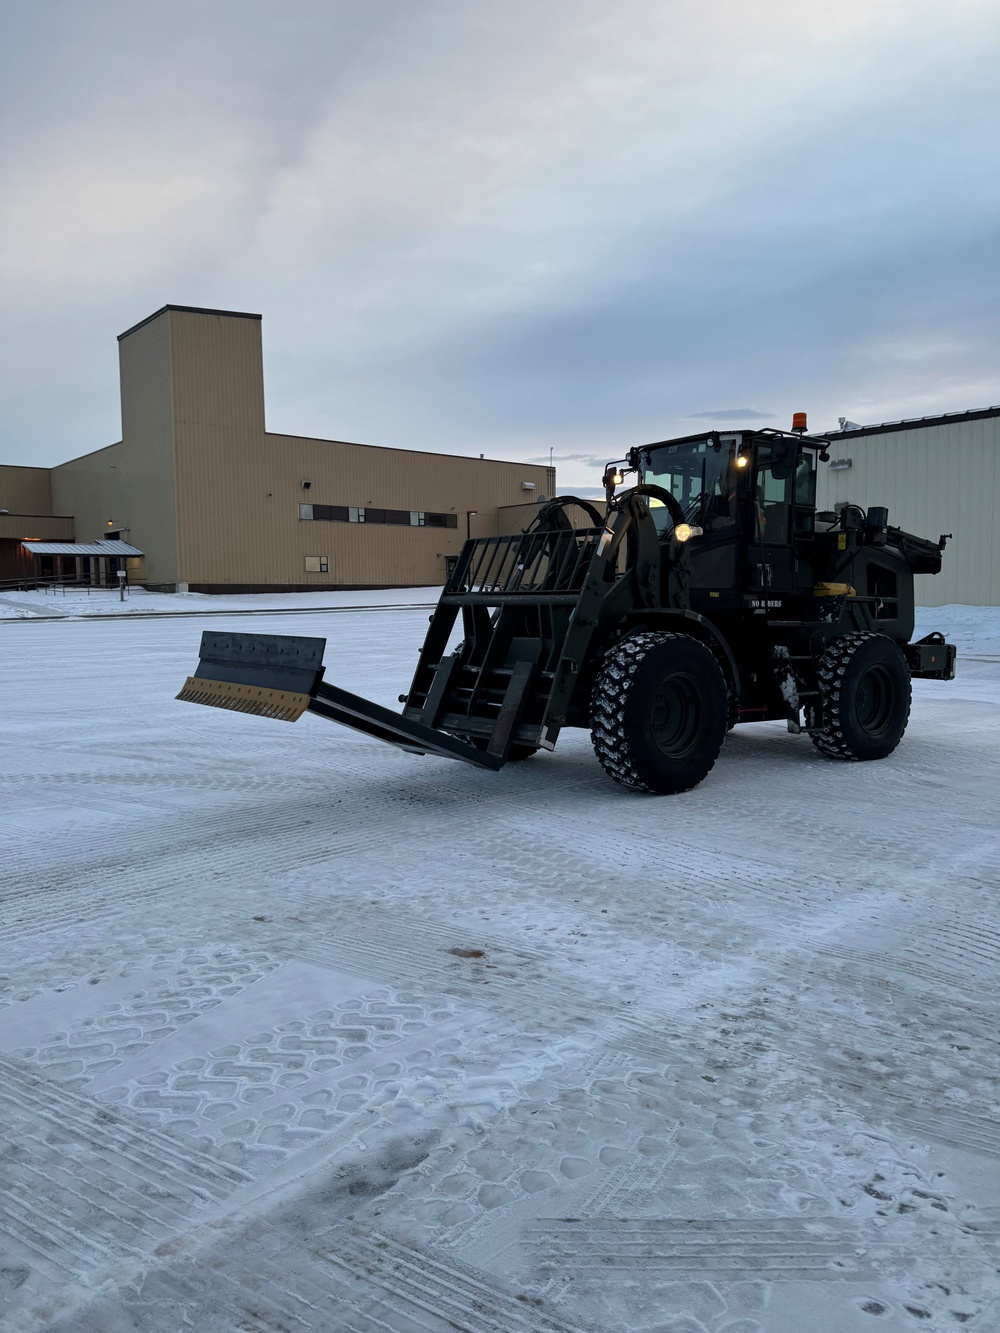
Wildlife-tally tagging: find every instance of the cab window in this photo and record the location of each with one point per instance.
(773, 507)
(805, 480)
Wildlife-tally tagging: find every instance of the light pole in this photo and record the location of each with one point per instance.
(469, 516)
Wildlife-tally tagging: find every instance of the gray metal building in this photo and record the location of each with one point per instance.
(936, 474)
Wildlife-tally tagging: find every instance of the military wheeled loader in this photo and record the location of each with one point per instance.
(708, 594)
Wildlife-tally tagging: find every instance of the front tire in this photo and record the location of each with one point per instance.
(659, 712)
(865, 684)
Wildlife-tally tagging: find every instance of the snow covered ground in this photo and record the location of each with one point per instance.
(62, 602)
(299, 1032)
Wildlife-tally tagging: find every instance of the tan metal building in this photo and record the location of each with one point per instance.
(218, 503)
(25, 513)
(936, 474)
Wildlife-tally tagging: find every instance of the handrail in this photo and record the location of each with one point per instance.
(33, 583)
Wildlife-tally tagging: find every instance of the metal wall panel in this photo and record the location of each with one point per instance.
(37, 527)
(149, 489)
(242, 514)
(25, 490)
(91, 488)
(27, 493)
(214, 499)
(239, 488)
(935, 479)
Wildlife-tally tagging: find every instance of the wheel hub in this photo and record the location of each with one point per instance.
(875, 698)
(675, 715)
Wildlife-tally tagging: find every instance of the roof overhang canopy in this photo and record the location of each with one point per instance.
(80, 548)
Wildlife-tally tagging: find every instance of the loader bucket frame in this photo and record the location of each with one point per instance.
(529, 607)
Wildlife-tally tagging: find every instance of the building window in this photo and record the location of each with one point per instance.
(421, 519)
(317, 564)
(397, 516)
(324, 513)
(400, 517)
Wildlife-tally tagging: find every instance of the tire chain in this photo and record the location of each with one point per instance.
(607, 709)
(830, 673)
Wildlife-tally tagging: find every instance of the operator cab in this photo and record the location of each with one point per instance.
(749, 502)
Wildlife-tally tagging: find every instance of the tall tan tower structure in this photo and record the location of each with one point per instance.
(216, 502)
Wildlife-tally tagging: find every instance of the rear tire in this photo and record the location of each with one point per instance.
(865, 684)
(659, 712)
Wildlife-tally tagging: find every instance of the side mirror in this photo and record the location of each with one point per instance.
(784, 456)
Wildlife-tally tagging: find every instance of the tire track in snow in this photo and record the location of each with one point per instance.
(275, 841)
(545, 1147)
(262, 1102)
(142, 1153)
(873, 964)
(973, 945)
(710, 1250)
(459, 960)
(976, 1133)
(171, 874)
(722, 1250)
(54, 1233)
(96, 1044)
(628, 1187)
(498, 982)
(347, 1278)
(922, 1065)
(420, 1288)
(84, 1188)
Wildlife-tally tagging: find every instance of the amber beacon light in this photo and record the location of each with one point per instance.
(799, 422)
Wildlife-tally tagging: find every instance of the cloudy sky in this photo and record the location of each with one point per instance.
(507, 227)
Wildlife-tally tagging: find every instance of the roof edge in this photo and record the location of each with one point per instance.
(911, 423)
(401, 449)
(189, 310)
(107, 546)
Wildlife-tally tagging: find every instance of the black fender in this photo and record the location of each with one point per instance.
(699, 627)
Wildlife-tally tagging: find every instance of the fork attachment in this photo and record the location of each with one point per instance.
(281, 676)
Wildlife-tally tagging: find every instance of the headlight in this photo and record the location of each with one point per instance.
(685, 531)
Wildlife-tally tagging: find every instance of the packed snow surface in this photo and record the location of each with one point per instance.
(64, 602)
(301, 1032)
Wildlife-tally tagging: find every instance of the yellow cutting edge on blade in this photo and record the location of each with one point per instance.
(284, 705)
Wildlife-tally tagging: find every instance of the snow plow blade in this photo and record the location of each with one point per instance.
(281, 676)
(269, 675)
